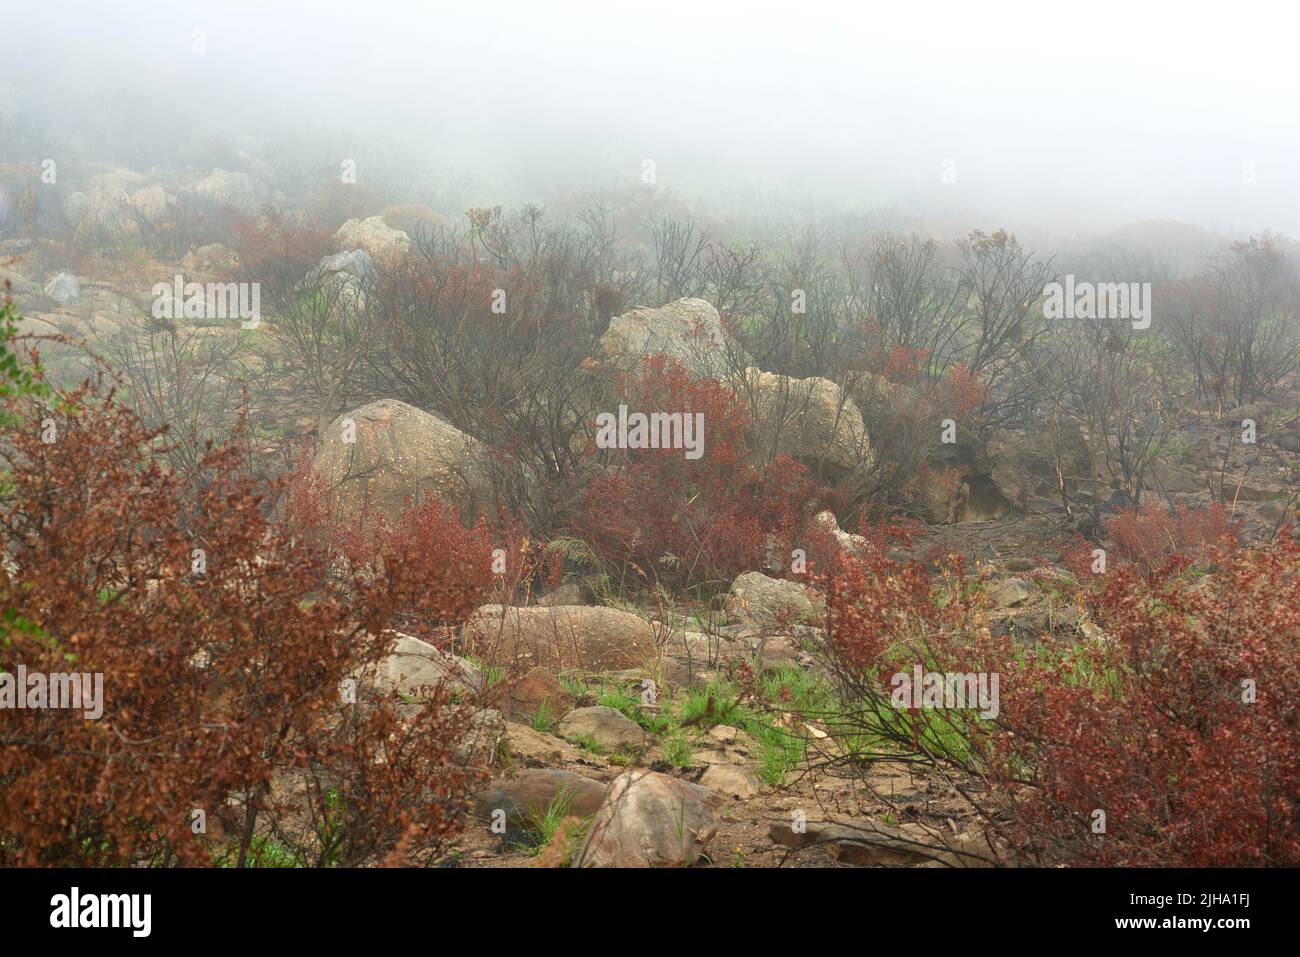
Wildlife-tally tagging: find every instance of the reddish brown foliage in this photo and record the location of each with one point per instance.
(1153, 728)
(883, 614)
(701, 519)
(961, 393)
(1182, 726)
(903, 365)
(271, 248)
(1150, 535)
(222, 668)
(429, 540)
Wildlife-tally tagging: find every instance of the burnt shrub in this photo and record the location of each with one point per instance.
(694, 520)
(1170, 738)
(224, 640)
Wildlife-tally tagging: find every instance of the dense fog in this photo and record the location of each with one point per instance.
(1046, 120)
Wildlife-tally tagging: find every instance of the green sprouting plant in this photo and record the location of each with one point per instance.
(545, 720)
(715, 703)
(265, 852)
(11, 621)
(677, 750)
(18, 381)
(656, 722)
(628, 702)
(15, 379)
(262, 852)
(548, 825)
(493, 674)
(779, 750)
(573, 685)
(786, 690)
(589, 744)
(794, 689)
(620, 699)
(332, 827)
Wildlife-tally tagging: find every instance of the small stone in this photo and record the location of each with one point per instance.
(526, 795)
(723, 734)
(779, 651)
(1009, 593)
(536, 690)
(730, 781)
(607, 727)
(527, 745)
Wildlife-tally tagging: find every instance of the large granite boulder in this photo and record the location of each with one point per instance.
(565, 636)
(387, 455)
(650, 819)
(811, 420)
(688, 330)
(373, 235)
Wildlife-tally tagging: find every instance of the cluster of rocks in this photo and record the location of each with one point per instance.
(640, 818)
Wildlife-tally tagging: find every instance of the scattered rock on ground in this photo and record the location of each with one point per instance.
(538, 688)
(607, 727)
(414, 664)
(1009, 593)
(811, 420)
(688, 330)
(853, 544)
(224, 187)
(729, 780)
(373, 235)
(765, 603)
(778, 651)
(649, 819)
(1024, 465)
(529, 747)
(526, 795)
(211, 258)
(153, 203)
(63, 288)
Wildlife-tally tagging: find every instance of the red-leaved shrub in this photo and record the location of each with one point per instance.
(1148, 535)
(454, 561)
(1182, 727)
(273, 249)
(1172, 737)
(224, 643)
(694, 520)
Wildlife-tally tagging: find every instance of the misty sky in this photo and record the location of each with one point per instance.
(1052, 116)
